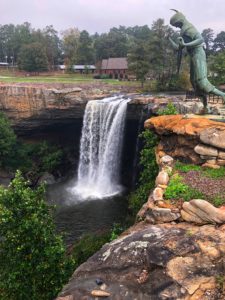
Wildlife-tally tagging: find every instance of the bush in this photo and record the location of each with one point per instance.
(32, 258)
(148, 173)
(177, 189)
(170, 109)
(7, 140)
(88, 245)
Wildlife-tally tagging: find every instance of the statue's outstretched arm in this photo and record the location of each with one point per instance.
(174, 45)
(194, 43)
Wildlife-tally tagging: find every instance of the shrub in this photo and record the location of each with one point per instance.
(87, 246)
(179, 190)
(214, 173)
(32, 257)
(170, 109)
(185, 168)
(7, 140)
(148, 174)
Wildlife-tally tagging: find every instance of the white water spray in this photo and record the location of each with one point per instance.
(101, 147)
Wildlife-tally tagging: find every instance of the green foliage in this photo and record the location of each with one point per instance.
(35, 158)
(33, 58)
(33, 264)
(88, 245)
(7, 140)
(138, 61)
(179, 190)
(214, 173)
(218, 67)
(148, 173)
(185, 168)
(170, 109)
(218, 200)
(116, 231)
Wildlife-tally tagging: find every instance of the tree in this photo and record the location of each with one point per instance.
(162, 58)
(219, 42)
(218, 67)
(7, 140)
(138, 62)
(52, 45)
(207, 35)
(70, 45)
(85, 52)
(33, 58)
(33, 263)
(112, 44)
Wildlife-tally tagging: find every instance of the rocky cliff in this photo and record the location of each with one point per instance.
(34, 107)
(197, 140)
(166, 256)
(155, 262)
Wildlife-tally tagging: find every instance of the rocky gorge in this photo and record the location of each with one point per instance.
(166, 254)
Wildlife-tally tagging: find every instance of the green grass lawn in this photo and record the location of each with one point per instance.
(8, 76)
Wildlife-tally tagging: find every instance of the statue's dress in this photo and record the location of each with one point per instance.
(198, 65)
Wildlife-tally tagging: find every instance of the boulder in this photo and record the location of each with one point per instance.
(155, 262)
(202, 212)
(214, 137)
(209, 165)
(167, 160)
(158, 215)
(206, 150)
(46, 178)
(221, 154)
(220, 162)
(158, 194)
(162, 178)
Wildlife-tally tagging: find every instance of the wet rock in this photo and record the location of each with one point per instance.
(202, 212)
(155, 262)
(162, 178)
(206, 150)
(46, 178)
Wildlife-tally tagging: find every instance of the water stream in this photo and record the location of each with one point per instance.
(94, 201)
(100, 148)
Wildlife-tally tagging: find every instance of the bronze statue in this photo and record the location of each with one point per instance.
(193, 41)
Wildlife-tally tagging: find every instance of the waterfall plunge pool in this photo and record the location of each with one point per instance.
(75, 216)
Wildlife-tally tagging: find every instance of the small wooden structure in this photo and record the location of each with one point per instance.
(116, 68)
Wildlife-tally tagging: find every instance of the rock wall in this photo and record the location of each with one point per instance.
(196, 140)
(156, 262)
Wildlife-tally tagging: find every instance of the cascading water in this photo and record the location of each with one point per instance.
(101, 147)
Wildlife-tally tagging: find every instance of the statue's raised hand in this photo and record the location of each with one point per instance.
(181, 42)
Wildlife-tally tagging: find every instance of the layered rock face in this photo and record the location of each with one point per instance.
(35, 107)
(196, 140)
(155, 262)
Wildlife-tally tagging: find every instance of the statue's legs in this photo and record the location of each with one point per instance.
(217, 92)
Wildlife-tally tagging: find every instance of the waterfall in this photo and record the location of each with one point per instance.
(101, 147)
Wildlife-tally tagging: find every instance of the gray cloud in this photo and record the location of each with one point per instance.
(101, 15)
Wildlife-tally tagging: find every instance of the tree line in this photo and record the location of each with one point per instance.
(147, 48)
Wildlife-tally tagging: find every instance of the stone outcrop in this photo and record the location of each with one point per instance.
(155, 262)
(201, 212)
(191, 139)
(31, 107)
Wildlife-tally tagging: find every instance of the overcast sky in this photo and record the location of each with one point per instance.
(101, 15)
